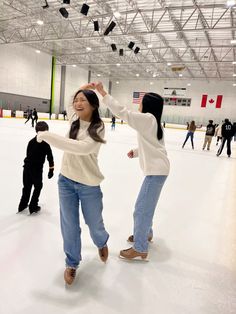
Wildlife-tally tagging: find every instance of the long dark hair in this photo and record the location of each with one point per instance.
(153, 103)
(96, 121)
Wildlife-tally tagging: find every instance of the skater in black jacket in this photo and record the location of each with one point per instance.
(227, 134)
(33, 170)
(35, 117)
(29, 115)
(210, 131)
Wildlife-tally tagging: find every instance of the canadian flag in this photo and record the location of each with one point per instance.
(212, 101)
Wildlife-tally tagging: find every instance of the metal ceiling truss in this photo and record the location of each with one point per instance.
(194, 35)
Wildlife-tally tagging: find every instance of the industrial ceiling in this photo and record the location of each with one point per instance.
(186, 39)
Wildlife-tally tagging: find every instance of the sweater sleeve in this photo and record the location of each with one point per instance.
(137, 120)
(135, 151)
(81, 147)
(50, 156)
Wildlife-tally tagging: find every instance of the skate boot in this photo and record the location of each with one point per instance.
(103, 253)
(69, 275)
(131, 254)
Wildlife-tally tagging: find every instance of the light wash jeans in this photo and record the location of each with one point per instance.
(71, 195)
(144, 210)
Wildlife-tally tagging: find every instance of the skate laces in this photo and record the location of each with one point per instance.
(72, 271)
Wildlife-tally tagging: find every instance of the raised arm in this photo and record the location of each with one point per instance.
(82, 147)
(137, 120)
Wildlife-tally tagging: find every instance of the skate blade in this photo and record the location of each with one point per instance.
(135, 259)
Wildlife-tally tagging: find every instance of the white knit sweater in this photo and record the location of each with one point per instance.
(79, 162)
(151, 151)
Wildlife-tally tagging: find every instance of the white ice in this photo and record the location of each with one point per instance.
(192, 258)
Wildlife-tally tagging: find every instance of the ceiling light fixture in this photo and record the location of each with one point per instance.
(233, 42)
(40, 22)
(46, 5)
(64, 12)
(136, 50)
(113, 47)
(137, 74)
(96, 26)
(234, 84)
(230, 3)
(117, 82)
(85, 8)
(149, 45)
(117, 14)
(88, 48)
(109, 28)
(131, 45)
(37, 51)
(118, 64)
(74, 65)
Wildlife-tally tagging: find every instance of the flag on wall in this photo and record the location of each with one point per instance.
(215, 101)
(137, 97)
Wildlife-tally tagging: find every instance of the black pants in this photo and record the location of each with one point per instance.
(31, 178)
(34, 120)
(224, 139)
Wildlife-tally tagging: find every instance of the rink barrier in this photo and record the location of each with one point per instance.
(6, 113)
(46, 116)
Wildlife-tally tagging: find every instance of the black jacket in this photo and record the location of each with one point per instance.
(36, 153)
(210, 129)
(35, 115)
(227, 130)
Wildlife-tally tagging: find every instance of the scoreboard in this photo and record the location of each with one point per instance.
(176, 101)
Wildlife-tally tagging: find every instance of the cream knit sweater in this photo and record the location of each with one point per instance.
(79, 162)
(151, 151)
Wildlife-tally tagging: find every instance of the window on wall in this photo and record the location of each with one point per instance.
(174, 101)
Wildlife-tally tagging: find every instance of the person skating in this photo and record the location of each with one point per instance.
(29, 116)
(153, 161)
(113, 123)
(227, 134)
(210, 131)
(34, 117)
(33, 170)
(218, 132)
(80, 178)
(191, 129)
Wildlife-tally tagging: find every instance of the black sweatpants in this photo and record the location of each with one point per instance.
(31, 178)
(224, 139)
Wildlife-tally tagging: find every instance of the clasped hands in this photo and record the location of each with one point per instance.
(95, 86)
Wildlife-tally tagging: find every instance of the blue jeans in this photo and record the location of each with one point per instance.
(71, 195)
(189, 134)
(144, 210)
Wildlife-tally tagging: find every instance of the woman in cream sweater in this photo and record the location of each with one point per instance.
(80, 178)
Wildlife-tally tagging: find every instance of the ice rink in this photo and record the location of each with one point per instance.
(192, 260)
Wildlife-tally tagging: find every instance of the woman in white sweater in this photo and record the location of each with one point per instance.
(153, 161)
(80, 177)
